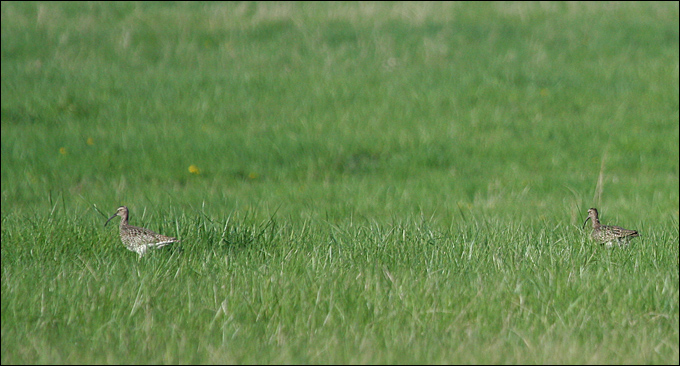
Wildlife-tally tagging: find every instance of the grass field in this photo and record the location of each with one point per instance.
(352, 182)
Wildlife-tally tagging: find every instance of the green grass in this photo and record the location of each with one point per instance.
(378, 182)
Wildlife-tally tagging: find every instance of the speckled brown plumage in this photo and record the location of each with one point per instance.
(606, 234)
(139, 239)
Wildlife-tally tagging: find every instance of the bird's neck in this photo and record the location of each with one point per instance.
(596, 222)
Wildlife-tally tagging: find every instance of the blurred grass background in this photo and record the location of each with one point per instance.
(289, 134)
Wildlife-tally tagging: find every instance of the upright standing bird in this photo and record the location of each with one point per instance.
(139, 239)
(608, 235)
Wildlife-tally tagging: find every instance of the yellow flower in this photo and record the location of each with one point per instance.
(193, 169)
(252, 175)
(90, 141)
(62, 150)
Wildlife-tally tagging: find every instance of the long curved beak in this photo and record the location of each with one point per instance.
(107, 221)
(584, 222)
